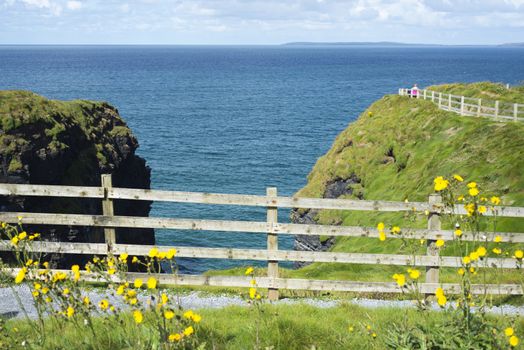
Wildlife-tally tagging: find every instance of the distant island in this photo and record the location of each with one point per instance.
(390, 44)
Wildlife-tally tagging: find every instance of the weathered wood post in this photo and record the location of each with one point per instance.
(108, 210)
(425, 91)
(272, 240)
(462, 105)
(449, 102)
(432, 272)
(432, 96)
(440, 100)
(496, 109)
(479, 107)
(515, 112)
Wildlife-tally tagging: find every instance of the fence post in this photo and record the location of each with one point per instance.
(440, 100)
(496, 109)
(515, 111)
(479, 107)
(432, 96)
(108, 210)
(449, 102)
(462, 105)
(272, 242)
(432, 272)
(425, 93)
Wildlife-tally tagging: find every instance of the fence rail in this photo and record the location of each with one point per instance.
(271, 228)
(469, 106)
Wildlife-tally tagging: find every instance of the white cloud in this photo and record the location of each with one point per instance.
(74, 5)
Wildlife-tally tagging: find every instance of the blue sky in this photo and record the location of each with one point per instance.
(259, 21)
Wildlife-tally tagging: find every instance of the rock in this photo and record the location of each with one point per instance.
(70, 143)
(333, 189)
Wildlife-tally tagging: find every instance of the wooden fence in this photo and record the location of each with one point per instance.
(271, 228)
(470, 106)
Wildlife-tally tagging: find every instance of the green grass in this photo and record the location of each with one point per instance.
(281, 327)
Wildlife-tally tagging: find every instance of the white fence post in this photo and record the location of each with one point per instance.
(479, 107)
(440, 100)
(108, 210)
(462, 105)
(515, 111)
(496, 109)
(432, 96)
(272, 242)
(435, 201)
(449, 102)
(425, 93)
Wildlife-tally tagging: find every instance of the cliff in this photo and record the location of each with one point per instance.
(398, 145)
(51, 142)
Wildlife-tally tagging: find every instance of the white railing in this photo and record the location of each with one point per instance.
(470, 106)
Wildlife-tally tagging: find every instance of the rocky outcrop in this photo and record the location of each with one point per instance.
(69, 143)
(333, 189)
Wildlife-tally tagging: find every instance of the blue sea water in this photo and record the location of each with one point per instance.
(239, 119)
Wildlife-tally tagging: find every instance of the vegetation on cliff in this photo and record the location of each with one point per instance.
(395, 150)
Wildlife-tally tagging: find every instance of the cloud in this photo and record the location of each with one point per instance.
(74, 5)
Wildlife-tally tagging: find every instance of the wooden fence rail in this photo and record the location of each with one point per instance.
(470, 106)
(271, 228)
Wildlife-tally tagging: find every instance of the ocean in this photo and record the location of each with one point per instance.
(237, 119)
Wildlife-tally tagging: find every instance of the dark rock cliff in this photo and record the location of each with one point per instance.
(334, 189)
(69, 143)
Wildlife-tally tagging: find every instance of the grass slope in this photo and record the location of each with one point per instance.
(397, 147)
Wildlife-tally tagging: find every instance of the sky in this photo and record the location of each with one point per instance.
(260, 22)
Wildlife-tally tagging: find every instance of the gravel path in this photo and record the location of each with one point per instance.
(9, 307)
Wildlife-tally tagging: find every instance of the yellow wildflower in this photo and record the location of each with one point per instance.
(497, 239)
(65, 291)
(169, 314)
(442, 300)
(138, 283)
(164, 299)
(495, 200)
(173, 337)
(474, 256)
(103, 304)
(461, 271)
(466, 260)
(197, 318)
(123, 257)
(473, 192)
(137, 315)
(252, 292)
(35, 293)
(509, 332)
(481, 251)
(70, 311)
(519, 254)
(380, 226)
(120, 290)
(440, 183)
(400, 279)
(188, 314)
(249, 271)
(161, 255)
(382, 236)
(497, 251)
(414, 274)
(472, 185)
(513, 341)
(171, 254)
(188, 331)
(482, 209)
(395, 230)
(460, 198)
(111, 271)
(22, 235)
(458, 178)
(21, 275)
(86, 301)
(151, 283)
(45, 290)
(134, 260)
(14, 240)
(439, 243)
(37, 286)
(458, 232)
(153, 253)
